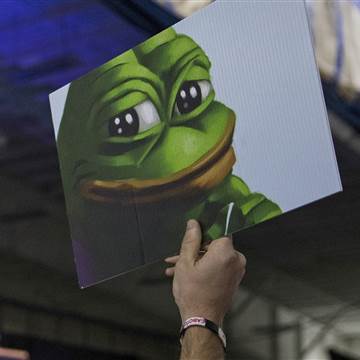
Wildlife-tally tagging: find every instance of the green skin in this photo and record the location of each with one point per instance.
(154, 70)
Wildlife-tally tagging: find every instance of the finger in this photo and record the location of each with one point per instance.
(170, 271)
(172, 259)
(191, 242)
(224, 242)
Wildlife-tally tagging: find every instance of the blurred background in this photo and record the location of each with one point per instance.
(301, 295)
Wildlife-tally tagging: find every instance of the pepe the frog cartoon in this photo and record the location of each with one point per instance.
(144, 146)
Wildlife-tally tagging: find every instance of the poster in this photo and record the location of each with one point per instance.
(220, 118)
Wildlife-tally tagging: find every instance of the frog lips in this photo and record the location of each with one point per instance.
(202, 175)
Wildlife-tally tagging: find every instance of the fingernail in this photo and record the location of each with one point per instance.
(190, 224)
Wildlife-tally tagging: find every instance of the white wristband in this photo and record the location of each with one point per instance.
(202, 322)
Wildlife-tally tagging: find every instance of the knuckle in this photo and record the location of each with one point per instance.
(220, 243)
(224, 240)
(242, 259)
(229, 258)
(233, 258)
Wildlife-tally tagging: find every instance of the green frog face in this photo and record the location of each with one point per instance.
(145, 126)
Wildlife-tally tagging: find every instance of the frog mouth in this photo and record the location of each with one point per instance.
(203, 175)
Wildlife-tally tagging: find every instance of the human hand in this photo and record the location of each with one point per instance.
(204, 286)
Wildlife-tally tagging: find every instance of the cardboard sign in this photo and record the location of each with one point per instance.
(220, 118)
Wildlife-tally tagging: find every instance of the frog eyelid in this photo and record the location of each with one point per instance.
(196, 56)
(133, 94)
(180, 79)
(153, 131)
(120, 74)
(121, 80)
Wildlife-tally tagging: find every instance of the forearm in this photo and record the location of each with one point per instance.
(203, 288)
(201, 344)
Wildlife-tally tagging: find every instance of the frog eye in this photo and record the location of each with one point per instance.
(134, 120)
(191, 95)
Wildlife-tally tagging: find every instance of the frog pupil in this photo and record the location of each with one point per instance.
(188, 97)
(124, 124)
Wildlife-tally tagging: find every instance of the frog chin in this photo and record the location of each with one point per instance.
(203, 175)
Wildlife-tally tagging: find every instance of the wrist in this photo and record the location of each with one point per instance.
(194, 332)
(200, 343)
(215, 317)
(199, 322)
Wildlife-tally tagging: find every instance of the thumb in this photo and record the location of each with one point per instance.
(191, 243)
